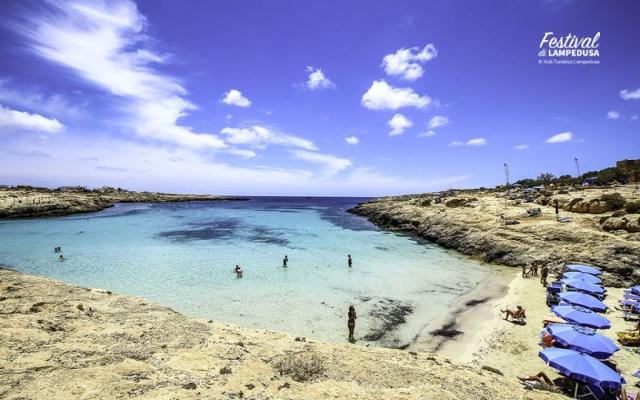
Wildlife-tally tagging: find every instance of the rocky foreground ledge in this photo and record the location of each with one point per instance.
(503, 229)
(24, 202)
(64, 342)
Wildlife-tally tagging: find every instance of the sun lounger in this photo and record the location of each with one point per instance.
(628, 338)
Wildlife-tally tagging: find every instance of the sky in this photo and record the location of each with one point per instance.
(334, 98)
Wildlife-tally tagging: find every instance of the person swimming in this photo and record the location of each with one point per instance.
(238, 271)
(57, 249)
(349, 260)
(61, 258)
(351, 323)
(285, 261)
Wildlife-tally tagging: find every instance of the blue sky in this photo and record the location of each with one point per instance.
(322, 98)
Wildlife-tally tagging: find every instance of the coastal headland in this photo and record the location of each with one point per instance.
(27, 201)
(599, 226)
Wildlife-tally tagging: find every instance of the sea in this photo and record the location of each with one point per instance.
(183, 255)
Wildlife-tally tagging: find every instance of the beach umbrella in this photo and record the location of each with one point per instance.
(584, 286)
(584, 300)
(630, 296)
(637, 374)
(583, 277)
(583, 339)
(636, 290)
(582, 367)
(581, 316)
(584, 268)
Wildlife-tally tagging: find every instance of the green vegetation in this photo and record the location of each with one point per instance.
(602, 177)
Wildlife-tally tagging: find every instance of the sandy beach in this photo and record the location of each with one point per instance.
(62, 341)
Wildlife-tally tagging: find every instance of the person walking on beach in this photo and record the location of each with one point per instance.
(351, 323)
(544, 272)
(349, 260)
(557, 209)
(238, 271)
(285, 261)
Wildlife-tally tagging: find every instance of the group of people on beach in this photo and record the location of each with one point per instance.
(532, 270)
(351, 313)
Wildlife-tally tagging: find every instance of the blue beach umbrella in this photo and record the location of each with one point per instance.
(584, 300)
(583, 277)
(582, 367)
(636, 290)
(584, 286)
(583, 339)
(584, 268)
(581, 316)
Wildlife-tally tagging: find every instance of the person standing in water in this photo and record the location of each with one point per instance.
(285, 261)
(349, 260)
(351, 323)
(61, 258)
(238, 271)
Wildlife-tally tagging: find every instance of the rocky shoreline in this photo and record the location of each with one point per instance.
(35, 202)
(62, 341)
(490, 226)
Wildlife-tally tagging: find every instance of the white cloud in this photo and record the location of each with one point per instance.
(382, 96)
(406, 62)
(560, 137)
(244, 153)
(521, 146)
(104, 44)
(476, 142)
(352, 140)
(437, 121)
(318, 80)
(259, 137)
(470, 142)
(426, 134)
(13, 119)
(613, 114)
(32, 99)
(398, 124)
(630, 94)
(235, 98)
(634, 117)
(332, 164)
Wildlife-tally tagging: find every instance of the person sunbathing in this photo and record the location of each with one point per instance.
(517, 314)
(542, 378)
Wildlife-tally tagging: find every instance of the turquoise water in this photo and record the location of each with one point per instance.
(182, 255)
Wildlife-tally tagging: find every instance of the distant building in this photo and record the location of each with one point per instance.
(631, 168)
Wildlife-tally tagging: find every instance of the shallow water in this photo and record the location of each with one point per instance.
(182, 255)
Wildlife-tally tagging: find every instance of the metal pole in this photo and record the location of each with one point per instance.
(577, 165)
(506, 173)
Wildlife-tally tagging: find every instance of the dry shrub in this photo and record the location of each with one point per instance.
(301, 367)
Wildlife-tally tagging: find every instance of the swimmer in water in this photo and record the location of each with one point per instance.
(349, 260)
(61, 258)
(238, 271)
(285, 261)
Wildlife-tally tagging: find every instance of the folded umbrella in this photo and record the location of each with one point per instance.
(583, 268)
(581, 316)
(582, 367)
(584, 300)
(582, 276)
(583, 339)
(584, 286)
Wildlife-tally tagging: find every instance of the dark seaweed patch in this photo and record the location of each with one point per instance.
(447, 330)
(389, 314)
(226, 229)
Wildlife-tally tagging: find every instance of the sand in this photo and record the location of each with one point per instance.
(59, 341)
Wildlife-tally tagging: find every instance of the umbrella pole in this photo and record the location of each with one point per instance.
(575, 392)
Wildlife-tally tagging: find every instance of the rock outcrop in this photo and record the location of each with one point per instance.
(485, 228)
(32, 202)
